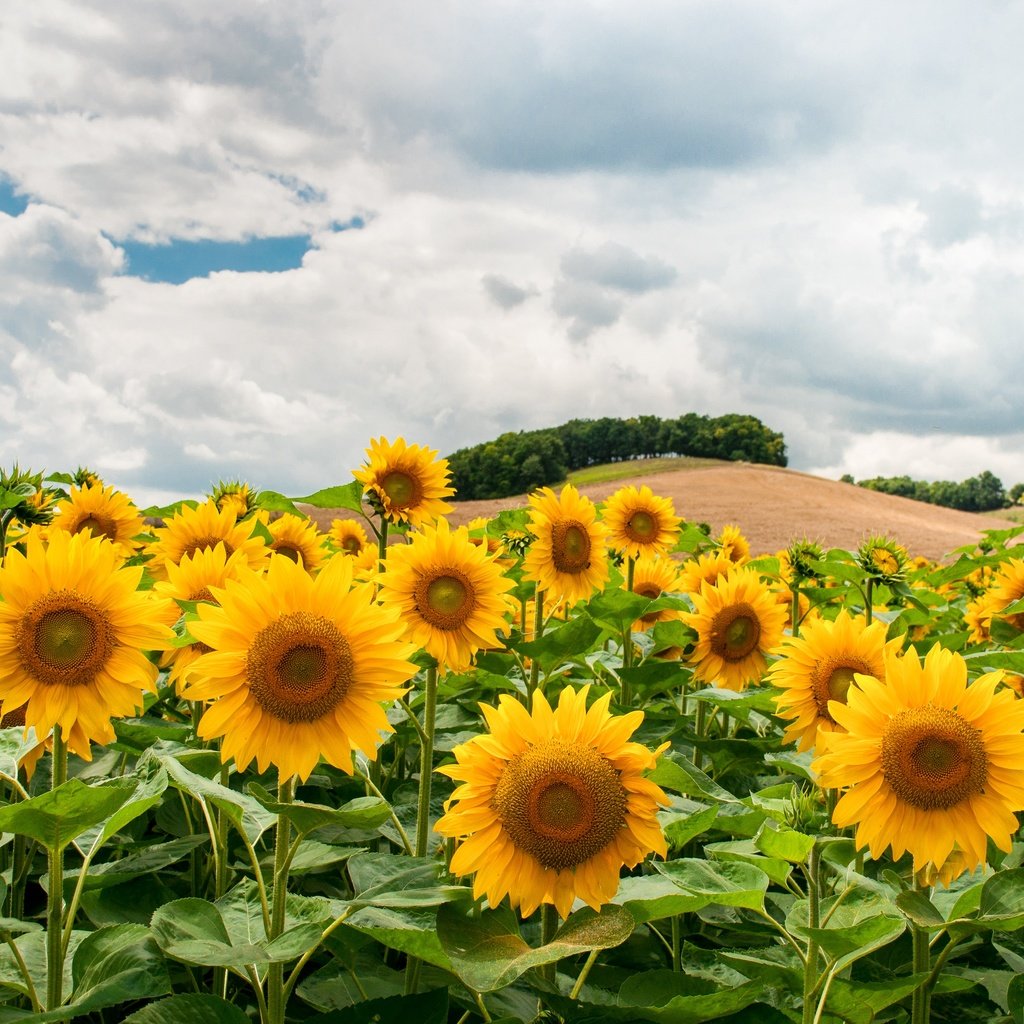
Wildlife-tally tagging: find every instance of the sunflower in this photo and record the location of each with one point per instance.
(73, 628)
(706, 568)
(104, 511)
(737, 621)
(568, 559)
(297, 538)
(639, 522)
(883, 559)
(235, 495)
(298, 667)
(192, 579)
(347, 536)
(929, 762)
(195, 529)
(1007, 588)
(653, 577)
(407, 482)
(818, 667)
(449, 592)
(978, 618)
(732, 543)
(552, 804)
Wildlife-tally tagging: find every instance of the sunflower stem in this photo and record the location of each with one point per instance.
(548, 928)
(538, 631)
(794, 608)
(591, 960)
(813, 921)
(698, 754)
(677, 943)
(869, 601)
(55, 890)
(282, 844)
(920, 1007)
(426, 761)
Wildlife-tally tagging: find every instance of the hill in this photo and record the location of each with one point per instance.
(775, 506)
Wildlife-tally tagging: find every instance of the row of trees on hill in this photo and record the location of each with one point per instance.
(516, 463)
(981, 493)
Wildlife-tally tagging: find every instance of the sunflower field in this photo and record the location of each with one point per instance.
(577, 763)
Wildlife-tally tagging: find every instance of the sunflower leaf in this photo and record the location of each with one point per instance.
(348, 496)
(727, 884)
(362, 813)
(488, 953)
(189, 1008)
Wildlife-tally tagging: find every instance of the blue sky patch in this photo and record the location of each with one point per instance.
(10, 202)
(179, 261)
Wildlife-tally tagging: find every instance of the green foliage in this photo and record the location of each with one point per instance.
(981, 493)
(517, 463)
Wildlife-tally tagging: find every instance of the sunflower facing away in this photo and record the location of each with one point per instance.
(408, 482)
(569, 558)
(929, 763)
(195, 529)
(737, 622)
(449, 592)
(818, 667)
(639, 522)
(73, 626)
(298, 667)
(552, 804)
(191, 580)
(104, 511)
(734, 544)
(299, 539)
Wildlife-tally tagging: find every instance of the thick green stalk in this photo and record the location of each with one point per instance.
(548, 928)
(794, 613)
(813, 921)
(626, 693)
(55, 892)
(699, 727)
(282, 843)
(869, 601)
(426, 762)
(920, 1007)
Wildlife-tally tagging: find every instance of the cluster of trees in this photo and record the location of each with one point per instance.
(981, 493)
(516, 463)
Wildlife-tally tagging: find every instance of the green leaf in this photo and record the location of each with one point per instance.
(651, 898)
(672, 998)
(365, 812)
(193, 931)
(488, 953)
(783, 843)
(1002, 901)
(60, 815)
(275, 502)
(393, 880)
(680, 831)
(145, 861)
(560, 644)
(423, 1008)
(744, 850)
(727, 884)
(32, 948)
(616, 608)
(919, 910)
(681, 776)
(348, 496)
(410, 931)
(150, 781)
(190, 1008)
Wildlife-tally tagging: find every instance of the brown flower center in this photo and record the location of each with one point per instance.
(735, 632)
(100, 527)
(204, 544)
(570, 546)
(641, 527)
(299, 667)
(653, 591)
(832, 677)
(403, 490)
(65, 639)
(933, 757)
(291, 553)
(560, 802)
(445, 600)
(352, 545)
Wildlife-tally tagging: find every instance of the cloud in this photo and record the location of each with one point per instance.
(505, 293)
(619, 267)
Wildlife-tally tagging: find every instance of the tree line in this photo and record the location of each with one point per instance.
(981, 493)
(516, 463)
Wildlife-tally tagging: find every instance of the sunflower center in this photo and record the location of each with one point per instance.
(735, 632)
(446, 600)
(402, 488)
(933, 757)
(560, 802)
(299, 667)
(570, 546)
(351, 545)
(653, 591)
(289, 552)
(14, 717)
(203, 595)
(204, 544)
(100, 527)
(65, 639)
(832, 678)
(641, 526)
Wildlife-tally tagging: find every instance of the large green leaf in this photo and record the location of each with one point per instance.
(348, 496)
(364, 812)
(616, 609)
(727, 884)
(422, 1008)
(411, 931)
(60, 815)
(783, 843)
(682, 776)
(573, 638)
(488, 953)
(190, 1008)
(150, 782)
(392, 880)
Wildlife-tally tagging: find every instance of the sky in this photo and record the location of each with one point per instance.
(239, 240)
